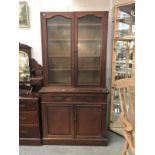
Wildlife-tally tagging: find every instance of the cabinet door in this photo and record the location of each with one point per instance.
(90, 44)
(90, 121)
(57, 47)
(57, 120)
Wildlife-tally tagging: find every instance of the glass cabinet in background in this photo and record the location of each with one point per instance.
(123, 57)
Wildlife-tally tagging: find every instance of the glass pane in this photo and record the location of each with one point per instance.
(89, 47)
(59, 50)
(24, 68)
(116, 123)
(123, 59)
(126, 21)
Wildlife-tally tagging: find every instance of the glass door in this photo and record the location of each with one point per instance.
(59, 50)
(89, 47)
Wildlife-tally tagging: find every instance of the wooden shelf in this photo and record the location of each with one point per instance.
(127, 20)
(126, 38)
(89, 56)
(88, 40)
(58, 25)
(123, 61)
(60, 69)
(59, 56)
(88, 69)
(59, 40)
(90, 25)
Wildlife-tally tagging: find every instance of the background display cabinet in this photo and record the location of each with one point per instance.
(123, 56)
(30, 81)
(74, 95)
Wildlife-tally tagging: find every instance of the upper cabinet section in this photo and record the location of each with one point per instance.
(74, 48)
(125, 22)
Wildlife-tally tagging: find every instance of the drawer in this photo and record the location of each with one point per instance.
(29, 132)
(56, 98)
(88, 98)
(27, 106)
(73, 98)
(28, 117)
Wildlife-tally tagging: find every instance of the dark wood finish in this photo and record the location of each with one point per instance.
(88, 121)
(29, 131)
(74, 50)
(44, 17)
(28, 117)
(29, 105)
(74, 116)
(29, 126)
(73, 141)
(74, 113)
(57, 120)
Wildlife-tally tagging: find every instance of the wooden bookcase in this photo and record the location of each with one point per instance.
(74, 95)
(123, 57)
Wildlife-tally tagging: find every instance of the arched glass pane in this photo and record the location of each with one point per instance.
(89, 48)
(59, 50)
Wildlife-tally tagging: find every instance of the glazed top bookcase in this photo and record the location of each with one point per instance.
(74, 48)
(123, 56)
(74, 96)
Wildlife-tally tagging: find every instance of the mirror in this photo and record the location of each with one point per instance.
(24, 64)
(24, 69)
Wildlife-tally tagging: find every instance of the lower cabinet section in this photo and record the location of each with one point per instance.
(57, 121)
(29, 131)
(29, 121)
(71, 123)
(89, 121)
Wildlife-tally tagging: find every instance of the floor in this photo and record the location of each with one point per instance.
(114, 148)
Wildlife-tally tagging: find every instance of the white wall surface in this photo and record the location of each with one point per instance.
(32, 35)
(117, 2)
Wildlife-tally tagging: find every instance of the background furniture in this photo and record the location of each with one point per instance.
(127, 116)
(74, 96)
(30, 76)
(123, 57)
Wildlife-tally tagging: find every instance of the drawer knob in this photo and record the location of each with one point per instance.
(24, 131)
(22, 105)
(58, 98)
(23, 118)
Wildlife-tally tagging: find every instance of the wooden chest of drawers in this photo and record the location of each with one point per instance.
(29, 124)
(72, 117)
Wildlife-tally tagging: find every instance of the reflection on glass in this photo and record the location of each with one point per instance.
(123, 59)
(24, 70)
(89, 47)
(59, 50)
(126, 21)
(116, 110)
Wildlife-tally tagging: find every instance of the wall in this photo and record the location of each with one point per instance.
(32, 36)
(117, 2)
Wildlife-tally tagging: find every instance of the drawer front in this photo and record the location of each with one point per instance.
(27, 106)
(73, 98)
(28, 117)
(29, 132)
(89, 98)
(56, 98)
